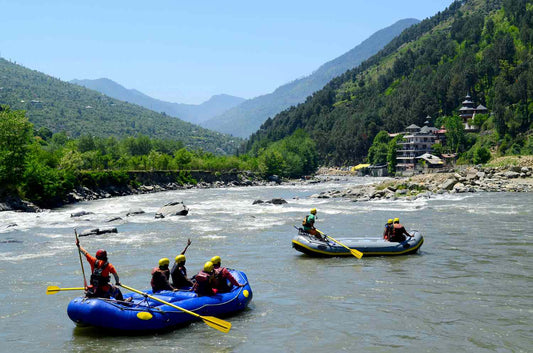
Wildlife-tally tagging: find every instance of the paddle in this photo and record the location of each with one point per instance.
(55, 289)
(81, 262)
(354, 252)
(211, 321)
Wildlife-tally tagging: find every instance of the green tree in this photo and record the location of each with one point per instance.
(15, 137)
(455, 133)
(271, 163)
(391, 154)
(377, 154)
(481, 155)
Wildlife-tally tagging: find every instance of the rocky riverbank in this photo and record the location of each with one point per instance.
(509, 178)
(146, 182)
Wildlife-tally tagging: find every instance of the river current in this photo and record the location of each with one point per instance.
(469, 289)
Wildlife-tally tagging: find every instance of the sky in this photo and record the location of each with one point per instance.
(187, 51)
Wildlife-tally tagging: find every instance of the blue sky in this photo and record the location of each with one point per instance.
(187, 51)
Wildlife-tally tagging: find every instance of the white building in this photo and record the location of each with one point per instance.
(418, 142)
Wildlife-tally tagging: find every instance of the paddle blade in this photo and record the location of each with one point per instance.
(52, 290)
(216, 323)
(55, 289)
(356, 253)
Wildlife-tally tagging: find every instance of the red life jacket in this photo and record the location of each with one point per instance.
(99, 284)
(396, 234)
(203, 285)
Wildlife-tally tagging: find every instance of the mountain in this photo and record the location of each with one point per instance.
(481, 47)
(62, 106)
(246, 118)
(189, 112)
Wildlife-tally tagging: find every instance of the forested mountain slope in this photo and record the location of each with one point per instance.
(481, 47)
(62, 106)
(193, 113)
(247, 117)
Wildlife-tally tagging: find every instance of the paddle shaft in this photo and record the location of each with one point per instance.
(81, 261)
(216, 323)
(354, 252)
(161, 301)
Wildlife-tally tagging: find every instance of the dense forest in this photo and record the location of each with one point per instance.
(43, 167)
(64, 107)
(480, 47)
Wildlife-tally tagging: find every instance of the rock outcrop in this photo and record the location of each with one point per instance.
(172, 209)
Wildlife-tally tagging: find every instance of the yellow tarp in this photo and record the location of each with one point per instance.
(360, 166)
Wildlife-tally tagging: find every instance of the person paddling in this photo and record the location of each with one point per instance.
(179, 271)
(309, 224)
(222, 276)
(204, 280)
(100, 270)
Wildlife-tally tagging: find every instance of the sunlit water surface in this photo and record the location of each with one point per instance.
(469, 289)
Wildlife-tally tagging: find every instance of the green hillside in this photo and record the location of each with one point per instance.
(61, 106)
(481, 47)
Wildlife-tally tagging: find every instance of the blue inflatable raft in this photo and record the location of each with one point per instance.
(145, 314)
(310, 245)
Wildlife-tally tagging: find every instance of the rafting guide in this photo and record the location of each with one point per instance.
(100, 275)
(308, 225)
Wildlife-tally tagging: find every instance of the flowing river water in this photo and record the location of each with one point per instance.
(469, 289)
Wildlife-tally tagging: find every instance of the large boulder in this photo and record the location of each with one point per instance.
(278, 201)
(97, 231)
(448, 184)
(134, 212)
(172, 209)
(80, 214)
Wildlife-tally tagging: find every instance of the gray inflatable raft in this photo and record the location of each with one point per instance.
(310, 245)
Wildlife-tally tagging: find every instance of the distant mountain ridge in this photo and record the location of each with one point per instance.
(65, 107)
(194, 113)
(248, 116)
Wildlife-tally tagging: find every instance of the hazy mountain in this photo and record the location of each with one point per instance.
(247, 117)
(62, 106)
(194, 113)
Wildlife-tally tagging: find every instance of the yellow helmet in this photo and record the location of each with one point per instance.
(389, 221)
(180, 259)
(208, 266)
(164, 262)
(215, 260)
(313, 211)
(396, 220)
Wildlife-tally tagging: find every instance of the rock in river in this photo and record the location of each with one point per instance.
(172, 209)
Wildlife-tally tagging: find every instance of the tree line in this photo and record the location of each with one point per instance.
(43, 167)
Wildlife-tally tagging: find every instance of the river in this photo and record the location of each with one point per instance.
(469, 289)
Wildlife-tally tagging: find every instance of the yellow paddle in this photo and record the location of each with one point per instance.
(55, 289)
(354, 252)
(212, 321)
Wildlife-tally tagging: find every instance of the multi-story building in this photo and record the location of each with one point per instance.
(418, 142)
